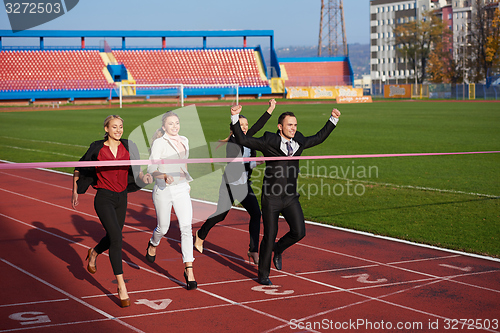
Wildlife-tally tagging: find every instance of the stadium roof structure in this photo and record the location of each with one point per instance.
(137, 33)
(124, 34)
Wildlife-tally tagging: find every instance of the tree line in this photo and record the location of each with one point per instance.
(427, 45)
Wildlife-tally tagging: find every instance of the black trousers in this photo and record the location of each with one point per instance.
(228, 194)
(111, 207)
(272, 206)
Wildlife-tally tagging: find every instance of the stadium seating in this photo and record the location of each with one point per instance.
(196, 66)
(326, 73)
(39, 70)
(51, 70)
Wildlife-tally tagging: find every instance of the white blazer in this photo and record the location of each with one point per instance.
(165, 149)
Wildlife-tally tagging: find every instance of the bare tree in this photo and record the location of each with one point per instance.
(442, 67)
(483, 30)
(493, 44)
(415, 40)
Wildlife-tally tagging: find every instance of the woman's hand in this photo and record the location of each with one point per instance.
(235, 110)
(74, 200)
(74, 195)
(168, 179)
(147, 178)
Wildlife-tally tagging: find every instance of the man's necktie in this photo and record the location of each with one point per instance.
(289, 148)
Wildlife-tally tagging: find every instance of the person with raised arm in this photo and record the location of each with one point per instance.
(279, 186)
(235, 186)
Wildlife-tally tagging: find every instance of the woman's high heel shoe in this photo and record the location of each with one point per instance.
(198, 243)
(190, 285)
(123, 302)
(91, 269)
(253, 256)
(149, 257)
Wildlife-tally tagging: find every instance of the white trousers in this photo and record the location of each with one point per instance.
(177, 196)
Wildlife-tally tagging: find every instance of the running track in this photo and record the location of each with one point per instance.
(333, 280)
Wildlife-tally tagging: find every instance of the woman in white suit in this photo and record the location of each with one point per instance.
(171, 189)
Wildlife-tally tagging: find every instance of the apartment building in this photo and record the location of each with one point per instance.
(386, 66)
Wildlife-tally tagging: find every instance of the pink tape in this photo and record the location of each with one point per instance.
(72, 164)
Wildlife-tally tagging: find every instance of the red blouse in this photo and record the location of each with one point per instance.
(113, 178)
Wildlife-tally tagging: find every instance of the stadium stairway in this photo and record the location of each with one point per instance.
(109, 59)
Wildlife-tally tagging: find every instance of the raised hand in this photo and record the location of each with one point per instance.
(272, 105)
(235, 110)
(335, 113)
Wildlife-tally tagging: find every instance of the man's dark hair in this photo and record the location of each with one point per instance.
(283, 115)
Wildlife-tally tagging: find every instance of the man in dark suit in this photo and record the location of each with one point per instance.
(279, 187)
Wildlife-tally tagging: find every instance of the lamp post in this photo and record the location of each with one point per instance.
(464, 54)
(463, 78)
(406, 65)
(416, 66)
(464, 63)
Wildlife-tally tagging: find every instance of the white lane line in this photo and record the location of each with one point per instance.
(74, 298)
(340, 289)
(380, 299)
(413, 187)
(230, 302)
(374, 265)
(38, 302)
(364, 233)
(316, 282)
(41, 141)
(54, 325)
(39, 151)
(308, 246)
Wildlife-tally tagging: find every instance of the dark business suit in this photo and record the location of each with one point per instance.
(279, 190)
(229, 193)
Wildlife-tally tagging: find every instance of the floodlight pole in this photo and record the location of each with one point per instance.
(416, 73)
(182, 95)
(463, 79)
(406, 65)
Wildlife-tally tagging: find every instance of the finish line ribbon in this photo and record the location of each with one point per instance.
(72, 164)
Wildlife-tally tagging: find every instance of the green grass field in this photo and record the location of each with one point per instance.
(448, 201)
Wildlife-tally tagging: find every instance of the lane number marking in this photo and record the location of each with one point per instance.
(364, 278)
(271, 290)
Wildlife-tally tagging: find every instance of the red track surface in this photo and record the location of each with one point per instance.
(332, 280)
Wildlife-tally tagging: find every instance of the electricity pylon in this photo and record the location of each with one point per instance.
(332, 28)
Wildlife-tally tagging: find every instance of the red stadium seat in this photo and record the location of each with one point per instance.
(193, 66)
(47, 70)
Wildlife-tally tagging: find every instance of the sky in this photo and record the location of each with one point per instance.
(295, 22)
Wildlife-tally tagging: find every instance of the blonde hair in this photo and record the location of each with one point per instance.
(160, 132)
(108, 120)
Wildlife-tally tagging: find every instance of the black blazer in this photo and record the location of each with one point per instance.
(233, 171)
(280, 177)
(88, 175)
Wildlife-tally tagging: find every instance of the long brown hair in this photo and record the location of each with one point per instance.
(106, 123)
